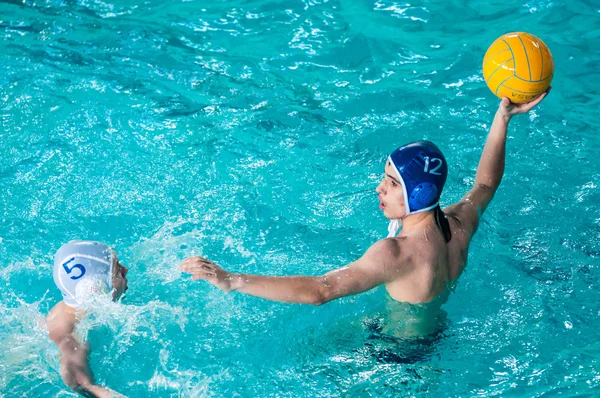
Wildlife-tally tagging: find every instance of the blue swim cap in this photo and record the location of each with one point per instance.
(422, 169)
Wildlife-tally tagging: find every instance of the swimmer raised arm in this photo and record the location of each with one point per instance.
(81, 268)
(491, 165)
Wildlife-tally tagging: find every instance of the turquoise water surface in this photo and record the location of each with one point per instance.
(254, 133)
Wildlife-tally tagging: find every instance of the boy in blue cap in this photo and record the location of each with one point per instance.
(82, 269)
(430, 252)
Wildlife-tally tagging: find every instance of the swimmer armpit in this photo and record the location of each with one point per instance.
(430, 252)
(82, 269)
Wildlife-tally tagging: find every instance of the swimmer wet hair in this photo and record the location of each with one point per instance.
(82, 262)
(422, 170)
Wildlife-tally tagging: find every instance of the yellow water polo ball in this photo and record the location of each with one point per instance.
(519, 66)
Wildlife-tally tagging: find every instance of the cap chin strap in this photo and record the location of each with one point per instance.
(393, 227)
(396, 223)
(433, 206)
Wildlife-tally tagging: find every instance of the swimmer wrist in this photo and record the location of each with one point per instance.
(236, 281)
(503, 116)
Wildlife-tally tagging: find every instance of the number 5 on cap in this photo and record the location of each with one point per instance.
(78, 266)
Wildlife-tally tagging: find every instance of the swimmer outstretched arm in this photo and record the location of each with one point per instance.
(372, 269)
(74, 367)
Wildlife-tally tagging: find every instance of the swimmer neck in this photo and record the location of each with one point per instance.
(417, 220)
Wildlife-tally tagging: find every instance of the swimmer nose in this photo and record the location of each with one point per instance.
(125, 271)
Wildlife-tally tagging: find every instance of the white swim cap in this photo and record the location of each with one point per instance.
(81, 268)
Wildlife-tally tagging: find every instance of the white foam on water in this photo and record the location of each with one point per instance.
(162, 252)
(25, 265)
(25, 349)
(129, 322)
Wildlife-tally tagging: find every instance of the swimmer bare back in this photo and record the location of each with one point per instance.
(427, 264)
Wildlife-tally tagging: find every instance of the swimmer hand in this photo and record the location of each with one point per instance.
(508, 109)
(201, 268)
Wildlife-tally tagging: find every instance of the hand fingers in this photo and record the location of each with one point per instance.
(197, 267)
(537, 100)
(191, 269)
(524, 108)
(193, 261)
(202, 273)
(203, 276)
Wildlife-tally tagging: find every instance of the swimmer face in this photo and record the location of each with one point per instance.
(119, 280)
(391, 194)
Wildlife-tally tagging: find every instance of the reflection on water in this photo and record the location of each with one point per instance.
(406, 333)
(412, 321)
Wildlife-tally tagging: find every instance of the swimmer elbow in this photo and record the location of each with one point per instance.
(315, 298)
(318, 301)
(84, 382)
(77, 381)
(56, 336)
(490, 188)
(322, 294)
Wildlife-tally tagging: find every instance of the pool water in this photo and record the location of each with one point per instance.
(254, 133)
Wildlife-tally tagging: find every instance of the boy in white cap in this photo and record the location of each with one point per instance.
(82, 268)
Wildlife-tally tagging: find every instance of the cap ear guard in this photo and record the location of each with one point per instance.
(424, 195)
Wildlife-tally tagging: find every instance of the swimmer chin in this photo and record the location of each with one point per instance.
(430, 252)
(82, 269)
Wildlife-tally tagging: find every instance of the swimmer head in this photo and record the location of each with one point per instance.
(84, 268)
(415, 175)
